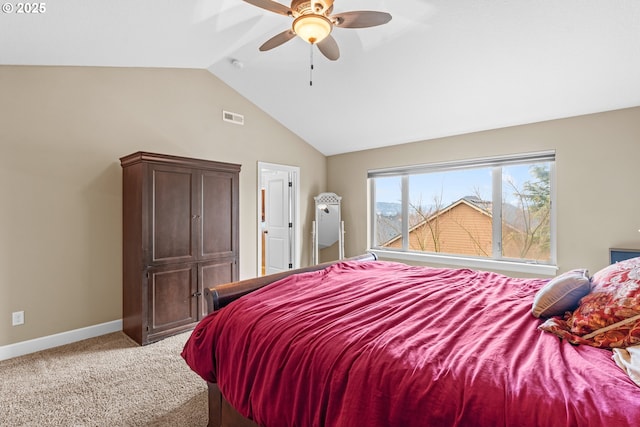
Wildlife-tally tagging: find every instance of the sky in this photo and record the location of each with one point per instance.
(451, 185)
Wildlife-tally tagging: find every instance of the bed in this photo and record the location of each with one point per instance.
(371, 343)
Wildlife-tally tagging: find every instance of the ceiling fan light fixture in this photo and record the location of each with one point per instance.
(312, 28)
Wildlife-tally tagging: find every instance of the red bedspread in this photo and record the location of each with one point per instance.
(386, 344)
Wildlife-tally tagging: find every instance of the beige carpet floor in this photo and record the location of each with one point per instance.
(103, 381)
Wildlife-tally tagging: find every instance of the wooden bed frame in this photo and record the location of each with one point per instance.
(221, 413)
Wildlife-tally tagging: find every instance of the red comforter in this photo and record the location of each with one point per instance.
(386, 344)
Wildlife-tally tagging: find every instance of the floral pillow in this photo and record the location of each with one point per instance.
(609, 316)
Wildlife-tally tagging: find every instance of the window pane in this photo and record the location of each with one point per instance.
(448, 208)
(526, 212)
(450, 212)
(388, 223)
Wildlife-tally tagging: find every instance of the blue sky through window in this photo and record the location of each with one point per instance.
(451, 185)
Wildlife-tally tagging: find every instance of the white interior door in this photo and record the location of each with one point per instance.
(276, 225)
(277, 228)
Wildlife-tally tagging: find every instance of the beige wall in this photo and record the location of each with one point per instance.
(63, 129)
(62, 132)
(597, 179)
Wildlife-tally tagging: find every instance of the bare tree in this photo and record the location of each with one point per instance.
(534, 205)
(425, 223)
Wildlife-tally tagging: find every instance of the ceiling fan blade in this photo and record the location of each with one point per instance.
(329, 48)
(360, 19)
(277, 40)
(271, 6)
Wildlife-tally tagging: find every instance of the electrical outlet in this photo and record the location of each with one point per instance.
(17, 318)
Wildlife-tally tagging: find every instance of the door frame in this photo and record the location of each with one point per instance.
(294, 206)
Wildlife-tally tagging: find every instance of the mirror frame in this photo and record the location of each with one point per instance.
(322, 202)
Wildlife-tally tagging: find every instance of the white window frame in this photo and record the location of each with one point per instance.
(404, 254)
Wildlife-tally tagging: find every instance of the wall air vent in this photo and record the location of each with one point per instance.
(236, 118)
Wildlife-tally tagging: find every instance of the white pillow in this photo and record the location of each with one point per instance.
(562, 293)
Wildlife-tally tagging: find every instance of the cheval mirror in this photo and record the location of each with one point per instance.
(328, 227)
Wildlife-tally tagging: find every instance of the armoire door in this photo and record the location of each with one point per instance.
(213, 273)
(173, 298)
(218, 229)
(173, 209)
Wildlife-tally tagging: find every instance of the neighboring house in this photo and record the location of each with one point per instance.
(464, 228)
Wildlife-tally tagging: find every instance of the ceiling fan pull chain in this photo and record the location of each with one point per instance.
(311, 65)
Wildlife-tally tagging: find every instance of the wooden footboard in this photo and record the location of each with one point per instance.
(221, 413)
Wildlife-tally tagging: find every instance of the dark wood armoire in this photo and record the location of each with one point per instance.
(180, 234)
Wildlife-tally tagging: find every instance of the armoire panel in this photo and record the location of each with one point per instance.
(172, 199)
(214, 273)
(218, 200)
(172, 297)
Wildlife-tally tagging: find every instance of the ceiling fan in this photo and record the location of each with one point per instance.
(313, 23)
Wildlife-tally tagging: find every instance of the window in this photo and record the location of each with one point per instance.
(497, 209)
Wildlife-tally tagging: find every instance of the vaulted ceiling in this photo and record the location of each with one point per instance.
(438, 68)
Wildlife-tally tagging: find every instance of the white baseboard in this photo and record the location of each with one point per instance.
(50, 341)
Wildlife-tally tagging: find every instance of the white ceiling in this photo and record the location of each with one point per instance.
(439, 68)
